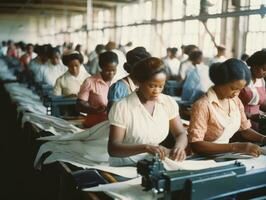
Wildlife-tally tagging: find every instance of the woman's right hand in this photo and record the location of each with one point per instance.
(247, 148)
(160, 150)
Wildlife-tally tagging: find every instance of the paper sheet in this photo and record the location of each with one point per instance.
(127, 190)
(171, 165)
(233, 156)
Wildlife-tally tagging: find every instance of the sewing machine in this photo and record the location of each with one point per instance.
(43, 90)
(230, 181)
(60, 105)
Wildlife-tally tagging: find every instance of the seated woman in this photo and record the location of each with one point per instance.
(92, 97)
(141, 121)
(53, 69)
(197, 81)
(125, 86)
(219, 114)
(69, 83)
(253, 96)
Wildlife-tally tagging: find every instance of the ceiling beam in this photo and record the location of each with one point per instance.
(10, 11)
(44, 6)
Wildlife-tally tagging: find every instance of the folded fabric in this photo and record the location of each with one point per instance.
(80, 147)
(55, 125)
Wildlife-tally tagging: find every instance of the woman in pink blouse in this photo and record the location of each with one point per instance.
(253, 96)
(92, 96)
(219, 114)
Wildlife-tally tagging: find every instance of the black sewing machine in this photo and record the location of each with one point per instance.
(59, 106)
(226, 182)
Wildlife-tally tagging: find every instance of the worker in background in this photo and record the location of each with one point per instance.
(92, 97)
(253, 96)
(220, 56)
(69, 83)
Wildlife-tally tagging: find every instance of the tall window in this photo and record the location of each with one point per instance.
(256, 35)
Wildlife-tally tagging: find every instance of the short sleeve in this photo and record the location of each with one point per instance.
(117, 91)
(198, 121)
(85, 88)
(172, 107)
(245, 95)
(118, 114)
(57, 88)
(245, 123)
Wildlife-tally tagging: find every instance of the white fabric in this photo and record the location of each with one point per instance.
(79, 148)
(253, 87)
(231, 123)
(139, 125)
(127, 190)
(172, 165)
(49, 73)
(68, 84)
(25, 99)
(52, 124)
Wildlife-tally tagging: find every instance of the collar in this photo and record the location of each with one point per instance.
(99, 78)
(70, 75)
(212, 96)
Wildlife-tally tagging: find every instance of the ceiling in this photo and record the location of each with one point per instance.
(56, 7)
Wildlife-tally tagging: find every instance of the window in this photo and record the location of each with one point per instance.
(256, 35)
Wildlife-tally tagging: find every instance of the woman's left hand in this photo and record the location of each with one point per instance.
(177, 154)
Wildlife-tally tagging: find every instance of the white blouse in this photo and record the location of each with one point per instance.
(141, 127)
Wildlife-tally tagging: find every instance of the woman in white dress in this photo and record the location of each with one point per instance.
(142, 120)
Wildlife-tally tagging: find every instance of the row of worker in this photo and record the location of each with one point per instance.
(216, 116)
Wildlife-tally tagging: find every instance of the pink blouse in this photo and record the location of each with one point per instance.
(204, 125)
(253, 95)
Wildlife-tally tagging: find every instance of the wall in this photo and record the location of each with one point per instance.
(18, 28)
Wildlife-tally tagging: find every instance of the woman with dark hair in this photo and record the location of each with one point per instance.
(92, 97)
(253, 96)
(53, 69)
(219, 114)
(142, 120)
(197, 81)
(69, 83)
(39, 61)
(125, 86)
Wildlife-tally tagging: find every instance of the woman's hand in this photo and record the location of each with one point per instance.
(246, 147)
(177, 154)
(160, 150)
